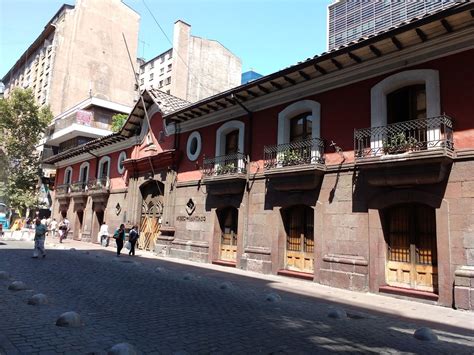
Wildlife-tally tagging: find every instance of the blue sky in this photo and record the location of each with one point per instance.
(267, 35)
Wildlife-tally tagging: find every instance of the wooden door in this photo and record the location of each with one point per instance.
(411, 247)
(299, 228)
(149, 229)
(152, 210)
(228, 219)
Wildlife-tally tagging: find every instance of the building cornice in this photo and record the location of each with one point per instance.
(427, 51)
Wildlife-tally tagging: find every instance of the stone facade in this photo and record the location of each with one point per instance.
(351, 213)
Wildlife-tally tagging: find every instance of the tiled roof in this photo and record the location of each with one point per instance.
(166, 102)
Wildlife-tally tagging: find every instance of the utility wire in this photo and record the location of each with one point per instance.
(144, 109)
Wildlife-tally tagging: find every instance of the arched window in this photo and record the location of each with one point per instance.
(121, 159)
(104, 168)
(303, 118)
(230, 147)
(427, 78)
(407, 96)
(84, 172)
(68, 175)
(222, 137)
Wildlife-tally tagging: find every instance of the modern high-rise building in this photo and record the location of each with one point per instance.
(350, 20)
(193, 69)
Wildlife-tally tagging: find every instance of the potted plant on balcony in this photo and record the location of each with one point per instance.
(227, 168)
(290, 157)
(399, 143)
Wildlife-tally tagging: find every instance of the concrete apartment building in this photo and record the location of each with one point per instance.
(193, 69)
(349, 20)
(80, 54)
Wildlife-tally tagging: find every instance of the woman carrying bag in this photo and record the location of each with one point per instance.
(119, 237)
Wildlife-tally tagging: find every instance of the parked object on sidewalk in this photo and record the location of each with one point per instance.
(133, 236)
(119, 237)
(40, 236)
(103, 236)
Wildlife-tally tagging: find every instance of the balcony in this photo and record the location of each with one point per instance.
(296, 165)
(78, 192)
(79, 123)
(62, 193)
(225, 174)
(421, 151)
(99, 189)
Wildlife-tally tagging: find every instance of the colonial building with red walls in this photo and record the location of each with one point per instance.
(353, 169)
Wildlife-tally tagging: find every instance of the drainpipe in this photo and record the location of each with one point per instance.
(250, 116)
(249, 145)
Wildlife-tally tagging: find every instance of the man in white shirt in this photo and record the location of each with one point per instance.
(104, 234)
(53, 226)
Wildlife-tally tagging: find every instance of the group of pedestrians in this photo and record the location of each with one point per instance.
(119, 236)
(43, 226)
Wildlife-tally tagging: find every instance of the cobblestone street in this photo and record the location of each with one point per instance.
(162, 306)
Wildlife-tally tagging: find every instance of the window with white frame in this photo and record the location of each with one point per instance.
(230, 144)
(84, 172)
(193, 146)
(68, 176)
(121, 159)
(406, 96)
(104, 168)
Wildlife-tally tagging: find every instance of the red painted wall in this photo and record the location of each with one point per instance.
(347, 108)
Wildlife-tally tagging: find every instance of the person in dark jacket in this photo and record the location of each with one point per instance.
(133, 238)
(119, 237)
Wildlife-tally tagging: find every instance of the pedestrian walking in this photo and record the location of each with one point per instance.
(119, 237)
(104, 235)
(133, 238)
(53, 226)
(40, 236)
(63, 229)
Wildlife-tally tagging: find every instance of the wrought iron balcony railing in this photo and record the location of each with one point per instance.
(62, 190)
(308, 151)
(78, 186)
(99, 184)
(225, 165)
(416, 135)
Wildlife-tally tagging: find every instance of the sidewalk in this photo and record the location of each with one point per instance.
(441, 317)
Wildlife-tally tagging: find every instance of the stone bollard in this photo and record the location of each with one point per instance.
(337, 313)
(17, 286)
(69, 319)
(227, 285)
(160, 269)
(72, 249)
(38, 299)
(122, 349)
(189, 277)
(273, 297)
(4, 275)
(425, 334)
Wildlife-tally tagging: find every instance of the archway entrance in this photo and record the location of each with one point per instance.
(228, 222)
(299, 228)
(410, 234)
(78, 225)
(152, 210)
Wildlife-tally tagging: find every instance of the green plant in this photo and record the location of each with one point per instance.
(225, 168)
(399, 143)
